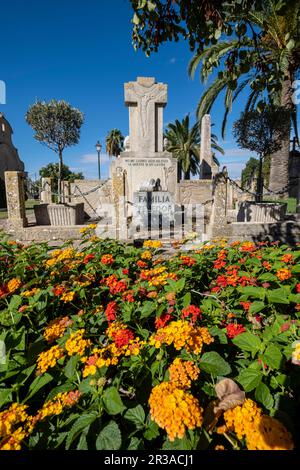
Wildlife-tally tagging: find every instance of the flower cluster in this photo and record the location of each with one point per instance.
(56, 328)
(111, 311)
(30, 293)
(58, 404)
(188, 260)
(182, 373)
(13, 285)
(109, 355)
(120, 334)
(115, 286)
(152, 244)
(174, 409)
(107, 259)
(157, 276)
(183, 336)
(14, 427)
(48, 359)
(192, 312)
(234, 329)
(260, 431)
(283, 274)
(296, 353)
(76, 344)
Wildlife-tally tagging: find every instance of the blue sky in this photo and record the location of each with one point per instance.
(81, 51)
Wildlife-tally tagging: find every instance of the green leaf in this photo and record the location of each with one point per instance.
(278, 296)
(294, 298)
(214, 364)
(66, 387)
(152, 431)
(136, 415)
(82, 443)
(147, 309)
(256, 307)
(135, 444)
(267, 277)
(112, 401)
(252, 291)
(215, 331)
(247, 342)
(249, 379)
(263, 396)
(70, 367)
(186, 300)
(109, 438)
(180, 285)
(272, 357)
(177, 444)
(37, 384)
(80, 424)
(5, 396)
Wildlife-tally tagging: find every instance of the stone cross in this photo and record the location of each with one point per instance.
(146, 100)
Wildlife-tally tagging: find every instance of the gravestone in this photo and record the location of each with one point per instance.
(145, 166)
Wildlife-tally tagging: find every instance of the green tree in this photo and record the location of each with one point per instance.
(184, 143)
(260, 48)
(199, 22)
(256, 131)
(57, 125)
(52, 171)
(114, 143)
(250, 172)
(268, 62)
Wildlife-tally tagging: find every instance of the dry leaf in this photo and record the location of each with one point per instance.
(229, 394)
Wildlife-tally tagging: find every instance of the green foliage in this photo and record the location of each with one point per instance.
(114, 142)
(52, 171)
(184, 143)
(95, 394)
(57, 125)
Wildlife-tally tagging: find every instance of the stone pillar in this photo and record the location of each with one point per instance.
(118, 190)
(66, 191)
(15, 195)
(218, 226)
(206, 160)
(46, 193)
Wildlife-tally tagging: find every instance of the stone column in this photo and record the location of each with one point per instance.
(206, 160)
(66, 191)
(15, 196)
(118, 190)
(46, 193)
(218, 226)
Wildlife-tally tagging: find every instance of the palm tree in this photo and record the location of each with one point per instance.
(114, 142)
(276, 47)
(184, 143)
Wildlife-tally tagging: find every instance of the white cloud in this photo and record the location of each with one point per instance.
(172, 60)
(91, 158)
(238, 152)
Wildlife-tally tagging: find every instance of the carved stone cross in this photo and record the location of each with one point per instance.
(146, 100)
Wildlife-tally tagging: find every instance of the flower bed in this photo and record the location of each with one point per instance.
(115, 347)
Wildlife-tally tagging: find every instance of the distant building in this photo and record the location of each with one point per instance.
(9, 157)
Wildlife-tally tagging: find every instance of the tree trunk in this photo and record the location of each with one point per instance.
(279, 171)
(59, 176)
(179, 172)
(260, 181)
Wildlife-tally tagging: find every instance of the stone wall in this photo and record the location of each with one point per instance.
(95, 199)
(194, 191)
